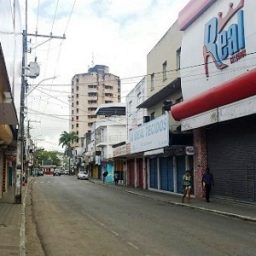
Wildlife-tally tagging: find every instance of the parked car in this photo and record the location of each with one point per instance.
(40, 173)
(66, 172)
(56, 172)
(82, 176)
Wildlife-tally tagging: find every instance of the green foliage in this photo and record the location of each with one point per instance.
(66, 139)
(49, 157)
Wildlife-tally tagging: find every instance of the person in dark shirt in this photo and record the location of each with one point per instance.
(207, 183)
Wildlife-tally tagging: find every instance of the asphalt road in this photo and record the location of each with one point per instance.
(76, 217)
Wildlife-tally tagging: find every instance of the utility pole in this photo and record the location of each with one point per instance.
(21, 137)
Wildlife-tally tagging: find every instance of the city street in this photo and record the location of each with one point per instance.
(77, 217)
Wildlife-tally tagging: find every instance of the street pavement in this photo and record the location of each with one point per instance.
(231, 208)
(11, 240)
(77, 217)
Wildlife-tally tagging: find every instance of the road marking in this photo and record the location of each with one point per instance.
(114, 232)
(133, 245)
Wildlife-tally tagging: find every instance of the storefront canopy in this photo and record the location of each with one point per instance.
(8, 113)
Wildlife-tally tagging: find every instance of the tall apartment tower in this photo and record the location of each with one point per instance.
(88, 91)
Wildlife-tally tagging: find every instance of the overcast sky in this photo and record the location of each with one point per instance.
(116, 33)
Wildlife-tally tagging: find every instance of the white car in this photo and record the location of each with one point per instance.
(83, 176)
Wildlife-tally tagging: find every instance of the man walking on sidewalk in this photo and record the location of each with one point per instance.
(207, 183)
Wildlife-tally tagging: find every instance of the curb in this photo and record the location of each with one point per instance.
(223, 213)
(23, 223)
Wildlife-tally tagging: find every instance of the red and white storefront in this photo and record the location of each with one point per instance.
(218, 78)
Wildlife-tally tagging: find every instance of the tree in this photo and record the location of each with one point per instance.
(66, 139)
(44, 155)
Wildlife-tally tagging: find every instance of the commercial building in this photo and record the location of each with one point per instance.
(157, 156)
(10, 64)
(108, 130)
(218, 77)
(89, 90)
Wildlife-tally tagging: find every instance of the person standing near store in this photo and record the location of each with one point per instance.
(187, 185)
(207, 183)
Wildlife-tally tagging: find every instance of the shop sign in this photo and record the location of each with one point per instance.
(120, 151)
(222, 42)
(151, 135)
(190, 150)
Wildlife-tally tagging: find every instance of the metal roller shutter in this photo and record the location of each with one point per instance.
(232, 158)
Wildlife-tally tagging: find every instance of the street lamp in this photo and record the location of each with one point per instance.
(46, 79)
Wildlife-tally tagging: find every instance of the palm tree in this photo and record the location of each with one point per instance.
(66, 139)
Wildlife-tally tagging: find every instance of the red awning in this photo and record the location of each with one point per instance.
(239, 88)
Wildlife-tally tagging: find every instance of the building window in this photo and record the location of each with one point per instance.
(72, 112)
(77, 140)
(72, 126)
(108, 101)
(77, 103)
(152, 116)
(92, 101)
(164, 70)
(77, 125)
(91, 86)
(77, 95)
(72, 105)
(138, 98)
(92, 109)
(109, 87)
(72, 90)
(108, 95)
(77, 88)
(77, 80)
(152, 81)
(92, 94)
(77, 110)
(72, 119)
(77, 132)
(77, 117)
(91, 116)
(178, 59)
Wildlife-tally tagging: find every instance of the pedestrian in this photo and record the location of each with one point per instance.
(116, 178)
(207, 183)
(187, 185)
(105, 174)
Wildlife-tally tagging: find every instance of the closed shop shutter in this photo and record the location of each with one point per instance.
(232, 158)
(131, 172)
(140, 172)
(180, 162)
(153, 173)
(166, 173)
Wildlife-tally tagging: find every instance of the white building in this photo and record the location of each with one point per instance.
(135, 116)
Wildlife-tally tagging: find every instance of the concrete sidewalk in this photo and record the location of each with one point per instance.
(244, 211)
(12, 228)
(10, 222)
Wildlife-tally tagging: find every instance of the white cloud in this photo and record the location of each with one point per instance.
(119, 33)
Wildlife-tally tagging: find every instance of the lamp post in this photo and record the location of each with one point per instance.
(45, 79)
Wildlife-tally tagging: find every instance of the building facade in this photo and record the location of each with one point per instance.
(88, 91)
(158, 159)
(10, 64)
(218, 83)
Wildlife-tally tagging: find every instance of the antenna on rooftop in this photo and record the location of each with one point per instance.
(92, 63)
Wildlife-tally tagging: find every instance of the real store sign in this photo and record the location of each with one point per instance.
(224, 46)
(222, 41)
(151, 135)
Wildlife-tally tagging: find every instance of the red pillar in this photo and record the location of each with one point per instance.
(200, 159)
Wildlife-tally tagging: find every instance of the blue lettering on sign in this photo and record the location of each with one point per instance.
(220, 44)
